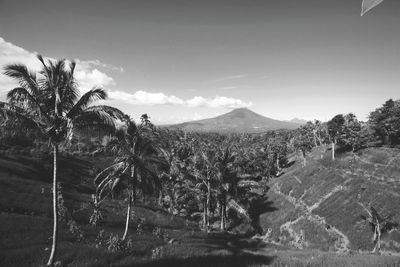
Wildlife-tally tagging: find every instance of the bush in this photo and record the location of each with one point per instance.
(160, 233)
(75, 230)
(114, 243)
(140, 226)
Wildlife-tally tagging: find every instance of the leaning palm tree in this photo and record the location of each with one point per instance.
(48, 101)
(380, 225)
(135, 166)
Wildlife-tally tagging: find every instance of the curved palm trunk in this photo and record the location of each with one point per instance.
(128, 216)
(131, 198)
(55, 208)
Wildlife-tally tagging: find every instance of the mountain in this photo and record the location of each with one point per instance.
(240, 120)
(298, 121)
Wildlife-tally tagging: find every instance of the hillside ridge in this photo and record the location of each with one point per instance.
(241, 120)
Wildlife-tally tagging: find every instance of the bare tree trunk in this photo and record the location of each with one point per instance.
(55, 208)
(277, 163)
(377, 235)
(171, 194)
(128, 216)
(333, 150)
(315, 138)
(160, 197)
(319, 139)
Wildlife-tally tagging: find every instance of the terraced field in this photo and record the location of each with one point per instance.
(318, 206)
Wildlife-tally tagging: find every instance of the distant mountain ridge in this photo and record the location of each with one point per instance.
(241, 120)
(298, 121)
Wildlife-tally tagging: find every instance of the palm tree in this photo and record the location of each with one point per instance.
(225, 180)
(135, 166)
(49, 102)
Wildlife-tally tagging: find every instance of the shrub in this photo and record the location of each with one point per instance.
(115, 243)
(160, 233)
(101, 239)
(75, 230)
(140, 226)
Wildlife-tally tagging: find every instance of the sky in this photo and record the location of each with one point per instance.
(181, 60)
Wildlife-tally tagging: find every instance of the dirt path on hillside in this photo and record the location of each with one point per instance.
(344, 242)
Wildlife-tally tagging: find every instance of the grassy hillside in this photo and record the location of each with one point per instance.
(317, 206)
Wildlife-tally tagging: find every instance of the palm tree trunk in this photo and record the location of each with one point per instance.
(304, 157)
(205, 213)
(277, 162)
(315, 138)
(377, 248)
(131, 198)
(55, 208)
(223, 216)
(333, 150)
(128, 216)
(208, 203)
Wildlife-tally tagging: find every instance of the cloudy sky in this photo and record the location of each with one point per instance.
(184, 60)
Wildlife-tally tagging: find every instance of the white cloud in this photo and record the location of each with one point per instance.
(86, 73)
(88, 77)
(231, 77)
(197, 101)
(146, 98)
(218, 102)
(9, 54)
(98, 63)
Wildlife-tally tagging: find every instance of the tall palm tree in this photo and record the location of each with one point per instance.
(49, 102)
(226, 179)
(135, 166)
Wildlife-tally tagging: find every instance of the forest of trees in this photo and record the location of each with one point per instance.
(217, 180)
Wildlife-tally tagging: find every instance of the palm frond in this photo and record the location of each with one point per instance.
(23, 76)
(118, 167)
(22, 95)
(232, 204)
(87, 99)
(96, 116)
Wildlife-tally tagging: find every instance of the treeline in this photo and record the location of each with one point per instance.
(347, 133)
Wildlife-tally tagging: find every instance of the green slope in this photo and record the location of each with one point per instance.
(318, 205)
